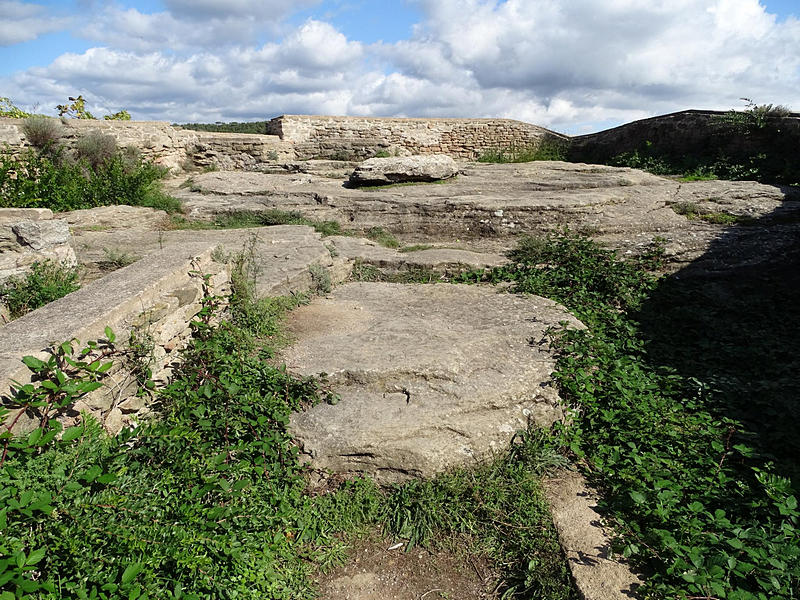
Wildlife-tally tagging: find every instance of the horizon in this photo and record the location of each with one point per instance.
(574, 67)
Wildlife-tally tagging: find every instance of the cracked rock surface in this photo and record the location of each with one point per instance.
(429, 377)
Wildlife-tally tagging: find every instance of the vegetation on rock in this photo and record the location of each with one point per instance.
(45, 282)
(53, 179)
(700, 500)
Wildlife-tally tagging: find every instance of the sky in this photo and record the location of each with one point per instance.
(574, 66)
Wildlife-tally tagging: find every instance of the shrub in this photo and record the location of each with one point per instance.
(36, 181)
(96, 148)
(46, 281)
(41, 131)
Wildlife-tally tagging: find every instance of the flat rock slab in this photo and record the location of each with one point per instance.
(404, 169)
(598, 573)
(435, 259)
(430, 376)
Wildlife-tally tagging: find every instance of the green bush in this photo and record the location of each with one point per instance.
(695, 505)
(55, 182)
(42, 132)
(45, 282)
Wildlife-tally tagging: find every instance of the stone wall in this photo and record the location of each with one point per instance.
(175, 148)
(148, 305)
(685, 133)
(361, 137)
(28, 235)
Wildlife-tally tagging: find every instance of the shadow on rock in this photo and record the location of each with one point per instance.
(731, 321)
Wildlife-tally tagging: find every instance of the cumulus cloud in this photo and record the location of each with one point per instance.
(566, 64)
(22, 22)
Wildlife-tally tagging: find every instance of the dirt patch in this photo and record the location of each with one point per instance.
(379, 570)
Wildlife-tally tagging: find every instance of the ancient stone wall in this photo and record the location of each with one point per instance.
(148, 305)
(175, 148)
(28, 235)
(686, 133)
(362, 137)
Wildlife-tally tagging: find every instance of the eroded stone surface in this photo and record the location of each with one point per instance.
(430, 377)
(625, 208)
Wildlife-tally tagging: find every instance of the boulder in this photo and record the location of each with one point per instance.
(429, 376)
(404, 169)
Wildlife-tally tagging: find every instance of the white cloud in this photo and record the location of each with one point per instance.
(558, 63)
(22, 22)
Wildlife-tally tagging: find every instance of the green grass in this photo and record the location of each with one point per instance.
(245, 219)
(693, 211)
(45, 282)
(695, 481)
(382, 237)
(415, 248)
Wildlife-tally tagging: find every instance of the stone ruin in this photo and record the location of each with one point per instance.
(429, 377)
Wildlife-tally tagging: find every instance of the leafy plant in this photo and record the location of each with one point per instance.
(37, 181)
(122, 115)
(9, 110)
(41, 131)
(76, 109)
(45, 282)
(693, 502)
(96, 148)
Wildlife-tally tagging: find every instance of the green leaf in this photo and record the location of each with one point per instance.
(35, 556)
(33, 363)
(638, 497)
(131, 572)
(72, 433)
(110, 335)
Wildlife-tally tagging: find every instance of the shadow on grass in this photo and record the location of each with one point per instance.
(731, 320)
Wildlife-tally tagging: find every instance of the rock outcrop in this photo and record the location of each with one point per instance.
(430, 377)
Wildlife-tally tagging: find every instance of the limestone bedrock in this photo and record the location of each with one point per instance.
(429, 377)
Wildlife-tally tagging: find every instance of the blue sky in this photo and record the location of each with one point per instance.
(573, 65)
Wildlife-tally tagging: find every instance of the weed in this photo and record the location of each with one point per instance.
(45, 282)
(501, 505)
(415, 248)
(692, 500)
(96, 148)
(42, 132)
(37, 181)
(365, 272)
(382, 154)
(116, 259)
(383, 237)
(320, 279)
(692, 211)
(244, 219)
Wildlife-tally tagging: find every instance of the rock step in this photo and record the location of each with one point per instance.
(430, 376)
